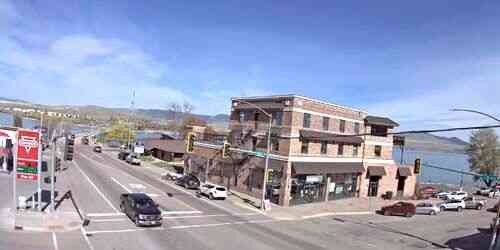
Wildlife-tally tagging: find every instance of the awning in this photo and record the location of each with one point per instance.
(330, 137)
(382, 121)
(404, 171)
(327, 167)
(376, 171)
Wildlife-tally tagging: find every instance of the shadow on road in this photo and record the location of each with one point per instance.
(480, 240)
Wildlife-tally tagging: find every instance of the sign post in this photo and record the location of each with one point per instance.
(27, 155)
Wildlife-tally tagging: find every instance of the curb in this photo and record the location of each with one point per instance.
(336, 213)
(46, 228)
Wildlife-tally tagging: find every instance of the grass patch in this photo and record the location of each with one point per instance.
(147, 158)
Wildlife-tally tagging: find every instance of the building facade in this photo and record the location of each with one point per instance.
(319, 151)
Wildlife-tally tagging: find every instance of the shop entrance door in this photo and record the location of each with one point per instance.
(401, 185)
(373, 186)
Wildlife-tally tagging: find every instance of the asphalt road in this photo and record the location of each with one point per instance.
(192, 222)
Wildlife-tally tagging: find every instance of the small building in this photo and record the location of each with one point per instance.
(166, 150)
(320, 151)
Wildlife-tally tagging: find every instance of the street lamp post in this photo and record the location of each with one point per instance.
(494, 234)
(268, 150)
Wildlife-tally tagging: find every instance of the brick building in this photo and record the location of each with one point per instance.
(319, 151)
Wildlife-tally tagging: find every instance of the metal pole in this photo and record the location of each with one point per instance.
(266, 166)
(14, 176)
(52, 172)
(40, 160)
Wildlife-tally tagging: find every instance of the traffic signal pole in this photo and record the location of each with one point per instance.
(52, 173)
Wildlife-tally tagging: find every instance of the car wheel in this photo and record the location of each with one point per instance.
(211, 196)
(387, 213)
(408, 215)
(136, 221)
(479, 207)
(433, 212)
(459, 209)
(441, 209)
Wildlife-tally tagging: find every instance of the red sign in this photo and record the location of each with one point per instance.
(27, 153)
(30, 177)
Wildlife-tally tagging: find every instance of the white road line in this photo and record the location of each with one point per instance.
(54, 240)
(86, 238)
(108, 220)
(206, 216)
(95, 187)
(104, 214)
(116, 231)
(121, 185)
(180, 212)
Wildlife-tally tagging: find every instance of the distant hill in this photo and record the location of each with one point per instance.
(9, 100)
(433, 142)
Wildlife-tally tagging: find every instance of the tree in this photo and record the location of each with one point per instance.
(119, 132)
(484, 157)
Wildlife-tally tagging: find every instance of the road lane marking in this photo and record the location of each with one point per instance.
(105, 214)
(121, 185)
(180, 212)
(108, 220)
(137, 186)
(206, 216)
(54, 240)
(95, 187)
(86, 238)
(170, 217)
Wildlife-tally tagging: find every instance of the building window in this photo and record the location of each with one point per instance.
(241, 116)
(278, 118)
(256, 119)
(342, 126)
(379, 131)
(378, 150)
(324, 147)
(340, 150)
(326, 123)
(276, 145)
(355, 150)
(356, 128)
(305, 146)
(307, 120)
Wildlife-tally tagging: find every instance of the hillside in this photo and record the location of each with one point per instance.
(432, 142)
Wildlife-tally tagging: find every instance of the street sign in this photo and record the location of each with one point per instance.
(260, 154)
(27, 155)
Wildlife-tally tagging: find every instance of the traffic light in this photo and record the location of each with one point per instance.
(225, 150)
(190, 142)
(416, 169)
(68, 149)
(48, 180)
(45, 168)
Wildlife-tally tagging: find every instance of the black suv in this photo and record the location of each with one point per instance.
(141, 209)
(123, 155)
(98, 149)
(188, 181)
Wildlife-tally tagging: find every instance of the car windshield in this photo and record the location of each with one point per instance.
(220, 189)
(145, 203)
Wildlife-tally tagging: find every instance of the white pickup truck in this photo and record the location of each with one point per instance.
(474, 203)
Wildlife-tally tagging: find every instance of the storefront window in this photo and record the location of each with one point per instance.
(307, 189)
(342, 186)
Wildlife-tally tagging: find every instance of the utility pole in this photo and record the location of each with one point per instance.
(40, 160)
(129, 118)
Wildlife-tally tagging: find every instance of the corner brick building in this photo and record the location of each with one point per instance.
(319, 151)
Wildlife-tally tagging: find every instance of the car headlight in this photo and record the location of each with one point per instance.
(142, 217)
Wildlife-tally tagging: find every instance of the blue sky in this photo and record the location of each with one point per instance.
(410, 61)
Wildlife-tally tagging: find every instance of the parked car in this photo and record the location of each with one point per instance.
(474, 203)
(213, 191)
(494, 193)
(427, 208)
(458, 205)
(188, 181)
(141, 209)
(133, 159)
(123, 155)
(442, 195)
(97, 149)
(171, 176)
(458, 195)
(400, 208)
(484, 191)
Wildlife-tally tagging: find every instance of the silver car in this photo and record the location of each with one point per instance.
(427, 208)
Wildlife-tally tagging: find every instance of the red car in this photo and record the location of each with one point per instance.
(400, 208)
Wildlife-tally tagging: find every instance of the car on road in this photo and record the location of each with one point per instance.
(141, 209)
(98, 149)
(406, 209)
(458, 195)
(123, 155)
(494, 193)
(442, 195)
(188, 181)
(458, 205)
(427, 208)
(171, 176)
(133, 159)
(484, 191)
(213, 191)
(472, 202)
